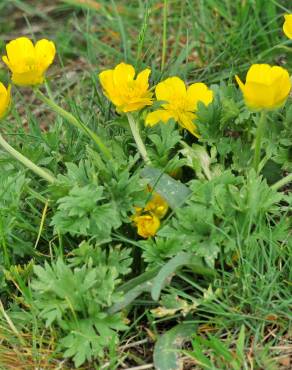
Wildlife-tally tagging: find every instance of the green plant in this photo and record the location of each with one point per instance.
(75, 298)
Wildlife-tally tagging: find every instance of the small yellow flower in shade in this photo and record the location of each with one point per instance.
(179, 103)
(123, 90)
(147, 219)
(27, 62)
(287, 26)
(157, 206)
(266, 87)
(147, 225)
(5, 99)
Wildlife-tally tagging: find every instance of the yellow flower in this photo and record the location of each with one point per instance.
(27, 62)
(125, 92)
(147, 225)
(180, 102)
(266, 87)
(5, 99)
(147, 220)
(287, 26)
(157, 206)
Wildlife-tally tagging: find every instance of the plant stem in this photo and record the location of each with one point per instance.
(258, 140)
(75, 122)
(26, 162)
(279, 184)
(136, 134)
(164, 38)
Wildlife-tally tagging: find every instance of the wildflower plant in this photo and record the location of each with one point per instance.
(128, 95)
(168, 204)
(266, 88)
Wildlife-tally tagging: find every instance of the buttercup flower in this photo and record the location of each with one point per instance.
(266, 87)
(147, 219)
(125, 92)
(287, 26)
(180, 103)
(147, 225)
(5, 99)
(157, 206)
(27, 62)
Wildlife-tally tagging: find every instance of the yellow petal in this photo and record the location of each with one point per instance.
(160, 115)
(147, 225)
(157, 206)
(258, 96)
(142, 79)
(281, 85)
(6, 61)
(20, 53)
(106, 79)
(259, 73)
(138, 211)
(45, 52)
(127, 94)
(135, 104)
(287, 26)
(27, 62)
(29, 78)
(266, 87)
(5, 99)
(123, 74)
(198, 92)
(277, 73)
(186, 121)
(172, 90)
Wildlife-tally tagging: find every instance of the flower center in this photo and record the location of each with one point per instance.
(30, 62)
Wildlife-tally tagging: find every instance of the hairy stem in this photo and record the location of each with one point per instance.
(284, 181)
(75, 122)
(26, 162)
(136, 134)
(258, 140)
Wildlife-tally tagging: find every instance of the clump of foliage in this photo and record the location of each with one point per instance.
(130, 215)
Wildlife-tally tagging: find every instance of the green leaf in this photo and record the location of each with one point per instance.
(220, 348)
(173, 191)
(133, 283)
(166, 351)
(182, 259)
(198, 354)
(76, 300)
(82, 212)
(133, 288)
(130, 296)
(240, 344)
